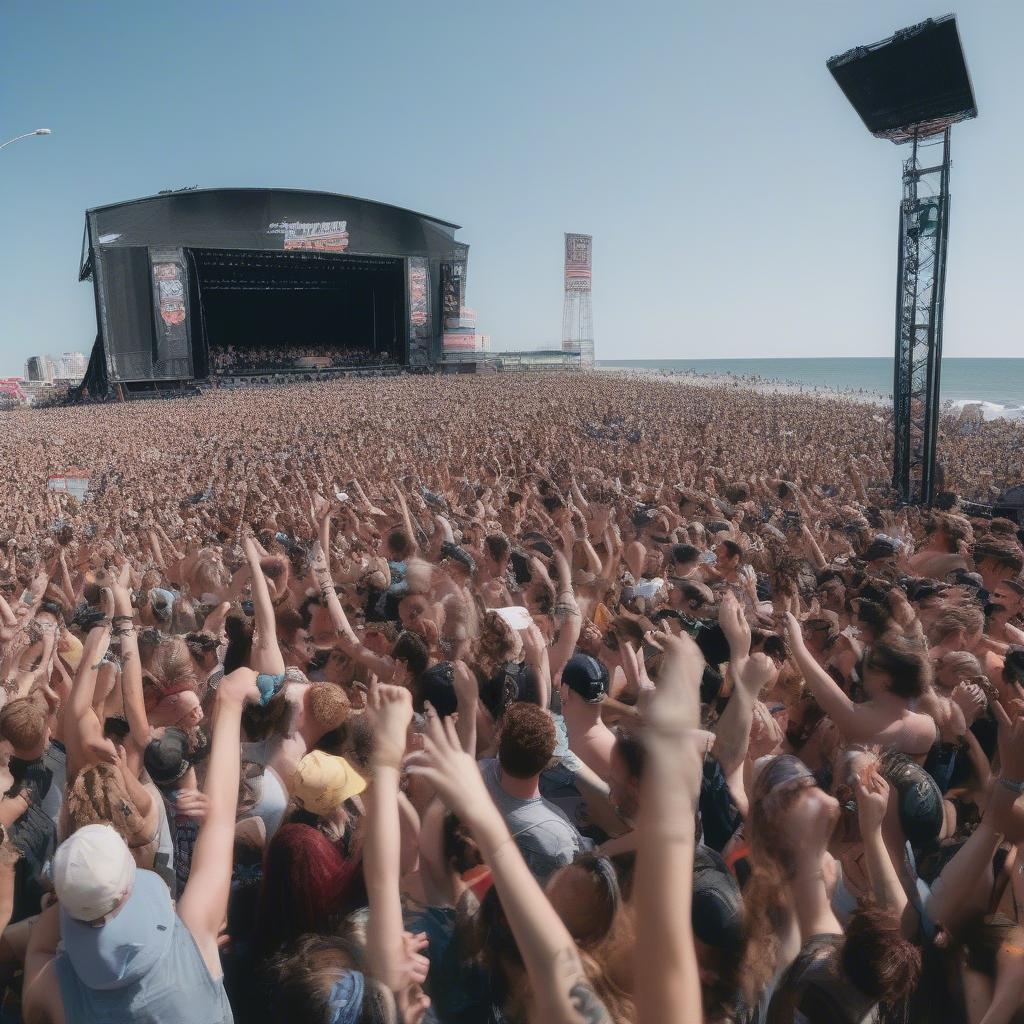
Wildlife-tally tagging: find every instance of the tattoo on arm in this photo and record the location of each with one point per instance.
(586, 1003)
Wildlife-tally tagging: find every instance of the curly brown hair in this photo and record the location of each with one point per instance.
(99, 797)
(527, 740)
(495, 645)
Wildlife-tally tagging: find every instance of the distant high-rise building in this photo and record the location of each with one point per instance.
(71, 366)
(577, 324)
(41, 369)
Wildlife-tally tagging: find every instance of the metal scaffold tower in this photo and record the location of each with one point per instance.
(924, 225)
(911, 89)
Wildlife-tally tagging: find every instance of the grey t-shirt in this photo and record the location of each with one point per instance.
(546, 838)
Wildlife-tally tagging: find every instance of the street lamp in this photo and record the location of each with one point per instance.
(27, 135)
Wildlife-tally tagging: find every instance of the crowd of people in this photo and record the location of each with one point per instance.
(260, 358)
(564, 698)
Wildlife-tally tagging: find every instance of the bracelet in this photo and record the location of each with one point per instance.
(497, 849)
(1014, 785)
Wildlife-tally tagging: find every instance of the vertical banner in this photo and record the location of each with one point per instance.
(453, 277)
(577, 262)
(172, 357)
(577, 326)
(418, 277)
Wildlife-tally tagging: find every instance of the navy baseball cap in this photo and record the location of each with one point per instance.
(717, 910)
(586, 677)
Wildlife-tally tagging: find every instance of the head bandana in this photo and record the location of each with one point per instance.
(346, 999)
(269, 686)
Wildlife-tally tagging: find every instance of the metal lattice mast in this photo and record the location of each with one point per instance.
(924, 230)
(911, 89)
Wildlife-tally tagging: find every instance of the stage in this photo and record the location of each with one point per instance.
(201, 283)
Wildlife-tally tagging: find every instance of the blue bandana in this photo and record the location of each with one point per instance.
(346, 999)
(268, 686)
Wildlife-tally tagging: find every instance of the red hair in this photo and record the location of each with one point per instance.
(306, 885)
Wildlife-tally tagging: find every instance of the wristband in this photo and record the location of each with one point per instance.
(1014, 785)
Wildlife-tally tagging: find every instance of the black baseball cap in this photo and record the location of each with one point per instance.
(682, 554)
(717, 909)
(966, 578)
(437, 685)
(586, 677)
(919, 799)
(1013, 666)
(167, 757)
(456, 554)
(880, 547)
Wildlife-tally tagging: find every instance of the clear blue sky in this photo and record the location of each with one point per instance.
(738, 206)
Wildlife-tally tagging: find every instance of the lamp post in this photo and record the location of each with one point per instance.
(27, 135)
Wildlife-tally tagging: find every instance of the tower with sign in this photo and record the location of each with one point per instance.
(577, 320)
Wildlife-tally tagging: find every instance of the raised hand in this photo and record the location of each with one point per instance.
(416, 964)
(793, 632)
(1011, 743)
(735, 627)
(675, 710)
(634, 668)
(872, 799)
(389, 711)
(239, 687)
(755, 673)
(451, 771)
(970, 699)
(192, 803)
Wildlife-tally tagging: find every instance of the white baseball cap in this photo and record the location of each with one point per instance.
(92, 870)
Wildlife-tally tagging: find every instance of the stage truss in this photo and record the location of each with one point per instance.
(924, 233)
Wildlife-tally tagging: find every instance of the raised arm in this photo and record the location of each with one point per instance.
(537, 657)
(665, 962)
(567, 614)
(204, 903)
(83, 730)
(131, 665)
(1007, 807)
(562, 991)
(390, 711)
(406, 517)
(467, 694)
(749, 673)
(266, 653)
(826, 690)
(820, 562)
(872, 800)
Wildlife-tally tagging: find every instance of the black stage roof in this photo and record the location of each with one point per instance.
(264, 218)
(144, 257)
(917, 78)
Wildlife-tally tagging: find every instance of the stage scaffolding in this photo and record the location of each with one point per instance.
(924, 232)
(911, 89)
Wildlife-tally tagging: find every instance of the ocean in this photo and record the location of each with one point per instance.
(997, 382)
